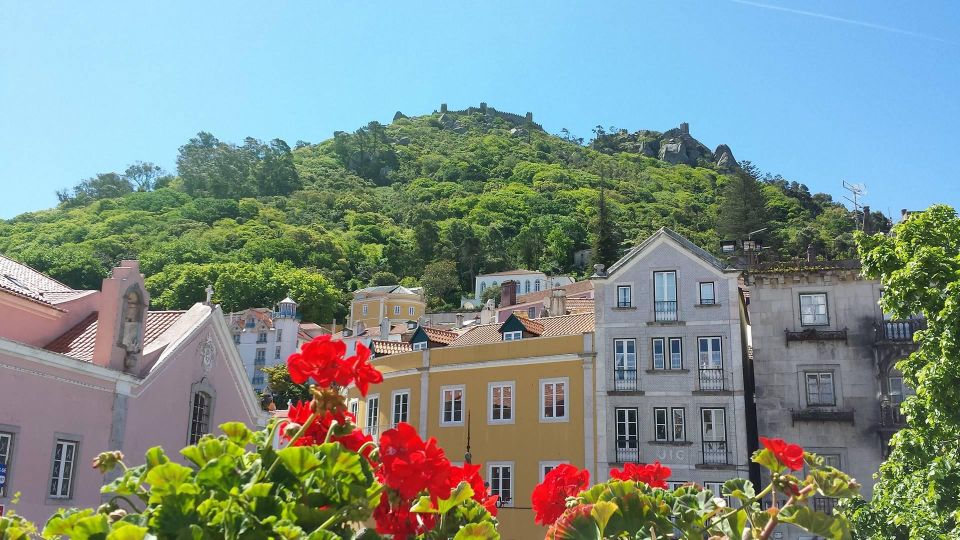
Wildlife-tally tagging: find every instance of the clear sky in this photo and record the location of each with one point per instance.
(818, 91)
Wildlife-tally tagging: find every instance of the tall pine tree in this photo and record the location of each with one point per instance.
(606, 241)
(742, 207)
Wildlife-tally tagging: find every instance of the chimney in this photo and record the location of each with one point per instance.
(867, 222)
(359, 327)
(508, 293)
(121, 319)
(459, 320)
(385, 329)
(558, 302)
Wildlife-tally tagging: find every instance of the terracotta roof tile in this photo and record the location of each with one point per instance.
(383, 348)
(21, 280)
(532, 325)
(562, 325)
(577, 305)
(78, 342)
(576, 288)
(439, 335)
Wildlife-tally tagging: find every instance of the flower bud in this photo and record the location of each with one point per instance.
(107, 461)
(290, 430)
(116, 515)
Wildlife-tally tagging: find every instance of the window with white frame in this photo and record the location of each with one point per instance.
(813, 309)
(401, 407)
(64, 464)
(200, 416)
(624, 296)
(665, 296)
(261, 356)
(513, 336)
(553, 399)
(714, 424)
(669, 424)
(6, 455)
(276, 353)
(354, 407)
(536, 285)
(363, 309)
(419, 345)
(501, 403)
(676, 353)
(373, 415)
(707, 293)
(500, 475)
(820, 389)
(659, 353)
(526, 286)
(678, 422)
(236, 338)
(279, 334)
(627, 431)
(711, 356)
(547, 466)
(261, 337)
(896, 390)
(396, 310)
(451, 405)
(625, 357)
(411, 311)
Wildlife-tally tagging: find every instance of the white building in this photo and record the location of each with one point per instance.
(265, 337)
(529, 281)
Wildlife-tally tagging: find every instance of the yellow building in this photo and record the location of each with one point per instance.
(520, 393)
(395, 302)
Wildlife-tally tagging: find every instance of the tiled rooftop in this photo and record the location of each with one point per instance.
(576, 288)
(439, 335)
(23, 281)
(78, 342)
(562, 325)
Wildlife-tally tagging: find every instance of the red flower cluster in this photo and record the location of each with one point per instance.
(345, 432)
(654, 475)
(322, 360)
(411, 467)
(790, 455)
(550, 496)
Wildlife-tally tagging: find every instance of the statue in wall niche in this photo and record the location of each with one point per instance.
(131, 337)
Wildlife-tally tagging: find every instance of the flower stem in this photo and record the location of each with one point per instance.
(300, 432)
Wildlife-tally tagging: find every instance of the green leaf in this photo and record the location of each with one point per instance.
(834, 528)
(601, 513)
(127, 531)
(299, 460)
(459, 494)
(164, 479)
(832, 482)
(155, 456)
(577, 526)
(766, 458)
(477, 531)
(424, 506)
(258, 490)
(739, 488)
(237, 433)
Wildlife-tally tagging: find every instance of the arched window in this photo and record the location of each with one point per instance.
(202, 398)
(536, 285)
(483, 286)
(526, 286)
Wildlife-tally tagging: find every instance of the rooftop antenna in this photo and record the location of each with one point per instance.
(856, 191)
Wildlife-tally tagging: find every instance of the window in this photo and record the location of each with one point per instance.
(279, 334)
(896, 393)
(411, 311)
(451, 406)
(501, 403)
(658, 354)
(276, 353)
(625, 357)
(419, 345)
(714, 435)
(665, 296)
(624, 296)
(262, 337)
(553, 398)
(707, 293)
(526, 286)
(6, 454)
(373, 415)
(547, 466)
(627, 435)
(813, 310)
(236, 338)
(396, 310)
(354, 407)
(483, 286)
(532, 312)
(64, 459)
(536, 285)
(669, 425)
(513, 336)
(710, 354)
(820, 389)
(501, 481)
(258, 380)
(676, 353)
(199, 416)
(401, 407)
(261, 357)
(363, 309)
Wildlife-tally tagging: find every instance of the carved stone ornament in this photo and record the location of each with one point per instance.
(207, 353)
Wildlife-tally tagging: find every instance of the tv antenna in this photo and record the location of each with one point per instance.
(856, 191)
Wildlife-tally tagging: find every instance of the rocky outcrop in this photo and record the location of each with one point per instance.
(724, 156)
(398, 115)
(678, 147)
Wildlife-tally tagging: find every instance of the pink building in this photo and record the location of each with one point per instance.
(83, 372)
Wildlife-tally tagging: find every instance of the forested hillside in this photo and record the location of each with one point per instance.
(433, 199)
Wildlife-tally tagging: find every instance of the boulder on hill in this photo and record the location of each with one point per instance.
(725, 160)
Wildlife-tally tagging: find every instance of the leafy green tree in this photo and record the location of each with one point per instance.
(281, 388)
(491, 293)
(917, 494)
(606, 237)
(558, 253)
(440, 282)
(428, 236)
(384, 278)
(742, 207)
(144, 176)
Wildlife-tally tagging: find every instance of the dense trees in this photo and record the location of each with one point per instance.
(394, 199)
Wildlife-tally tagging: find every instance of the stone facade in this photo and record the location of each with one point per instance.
(644, 392)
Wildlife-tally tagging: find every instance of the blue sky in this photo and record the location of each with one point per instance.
(818, 91)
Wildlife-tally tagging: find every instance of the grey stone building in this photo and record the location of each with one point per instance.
(823, 356)
(670, 363)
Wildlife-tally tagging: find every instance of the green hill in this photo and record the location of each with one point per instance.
(476, 190)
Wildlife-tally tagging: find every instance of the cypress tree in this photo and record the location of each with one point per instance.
(606, 244)
(742, 207)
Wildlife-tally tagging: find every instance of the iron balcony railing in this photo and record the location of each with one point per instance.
(665, 310)
(711, 379)
(628, 450)
(891, 417)
(625, 380)
(900, 330)
(715, 453)
(824, 504)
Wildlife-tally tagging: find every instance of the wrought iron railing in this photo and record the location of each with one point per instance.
(715, 453)
(625, 380)
(891, 417)
(900, 330)
(824, 504)
(665, 310)
(628, 450)
(711, 379)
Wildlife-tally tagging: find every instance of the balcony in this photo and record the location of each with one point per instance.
(899, 331)
(715, 454)
(818, 414)
(665, 310)
(812, 334)
(626, 380)
(711, 380)
(891, 417)
(628, 450)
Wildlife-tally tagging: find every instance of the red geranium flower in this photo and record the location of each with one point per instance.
(410, 465)
(654, 475)
(550, 497)
(397, 520)
(321, 360)
(471, 474)
(316, 432)
(363, 373)
(790, 455)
